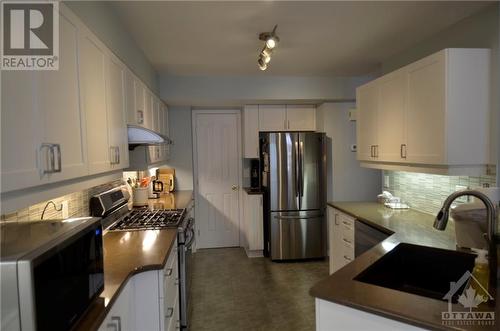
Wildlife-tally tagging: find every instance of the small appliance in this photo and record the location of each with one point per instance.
(52, 270)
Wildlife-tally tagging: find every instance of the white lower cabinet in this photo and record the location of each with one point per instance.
(341, 227)
(121, 317)
(332, 316)
(253, 224)
(149, 301)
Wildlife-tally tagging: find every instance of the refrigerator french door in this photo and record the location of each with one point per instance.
(294, 178)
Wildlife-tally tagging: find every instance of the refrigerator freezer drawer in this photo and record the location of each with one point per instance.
(298, 235)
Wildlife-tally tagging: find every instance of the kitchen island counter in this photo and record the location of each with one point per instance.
(406, 226)
(125, 254)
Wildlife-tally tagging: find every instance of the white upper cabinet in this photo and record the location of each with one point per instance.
(301, 117)
(287, 118)
(426, 110)
(117, 128)
(251, 131)
(367, 97)
(93, 86)
(272, 117)
(430, 116)
(132, 115)
(391, 143)
(21, 132)
(43, 137)
(140, 103)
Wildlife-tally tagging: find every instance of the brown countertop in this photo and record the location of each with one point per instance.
(253, 191)
(408, 226)
(126, 254)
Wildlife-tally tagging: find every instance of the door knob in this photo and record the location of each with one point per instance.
(234, 187)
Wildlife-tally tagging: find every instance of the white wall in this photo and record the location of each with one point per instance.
(100, 17)
(216, 91)
(477, 31)
(347, 181)
(181, 152)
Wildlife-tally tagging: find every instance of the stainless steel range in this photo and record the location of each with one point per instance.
(112, 206)
(146, 219)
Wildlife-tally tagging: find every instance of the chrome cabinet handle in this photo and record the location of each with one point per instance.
(112, 155)
(336, 220)
(403, 151)
(118, 320)
(234, 187)
(347, 223)
(48, 159)
(117, 153)
(345, 257)
(296, 217)
(59, 158)
(169, 272)
(170, 312)
(371, 150)
(112, 325)
(347, 241)
(288, 124)
(140, 117)
(376, 150)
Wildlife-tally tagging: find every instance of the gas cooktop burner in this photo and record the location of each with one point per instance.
(146, 219)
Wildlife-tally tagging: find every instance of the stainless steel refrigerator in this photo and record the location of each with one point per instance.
(293, 178)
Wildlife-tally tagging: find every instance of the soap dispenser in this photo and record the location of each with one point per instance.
(481, 273)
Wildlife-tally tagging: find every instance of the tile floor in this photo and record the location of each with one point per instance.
(232, 292)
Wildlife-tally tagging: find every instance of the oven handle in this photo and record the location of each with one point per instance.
(190, 242)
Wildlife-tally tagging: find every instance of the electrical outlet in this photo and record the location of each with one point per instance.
(65, 209)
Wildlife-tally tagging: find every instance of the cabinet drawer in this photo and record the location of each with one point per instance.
(347, 251)
(347, 233)
(170, 273)
(173, 323)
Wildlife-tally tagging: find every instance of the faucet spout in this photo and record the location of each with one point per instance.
(491, 214)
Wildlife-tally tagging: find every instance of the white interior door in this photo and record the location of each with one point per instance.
(217, 163)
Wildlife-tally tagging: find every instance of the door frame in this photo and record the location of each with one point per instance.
(237, 111)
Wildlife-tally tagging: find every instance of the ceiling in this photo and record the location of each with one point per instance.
(317, 38)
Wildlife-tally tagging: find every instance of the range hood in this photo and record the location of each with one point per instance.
(140, 136)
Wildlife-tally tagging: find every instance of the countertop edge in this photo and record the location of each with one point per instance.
(362, 219)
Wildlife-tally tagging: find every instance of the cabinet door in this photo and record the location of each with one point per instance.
(148, 109)
(391, 132)
(336, 256)
(20, 134)
(256, 226)
(166, 131)
(367, 97)
(251, 132)
(93, 86)
(115, 98)
(140, 103)
(425, 119)
(122, 313)
(131, 112)
(272, 117)
(60, 111)
(155, 110)
(301, 117)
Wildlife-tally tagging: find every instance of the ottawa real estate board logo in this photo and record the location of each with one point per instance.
(30, 35)
(473, 295)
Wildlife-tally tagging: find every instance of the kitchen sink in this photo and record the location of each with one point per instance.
(420, 270)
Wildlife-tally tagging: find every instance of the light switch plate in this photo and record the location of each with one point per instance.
(387, 182)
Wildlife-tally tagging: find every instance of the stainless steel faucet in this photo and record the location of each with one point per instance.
(491, 215)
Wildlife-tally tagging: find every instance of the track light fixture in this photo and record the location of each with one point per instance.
(271, 40)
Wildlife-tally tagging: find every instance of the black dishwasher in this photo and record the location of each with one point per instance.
(366, 237)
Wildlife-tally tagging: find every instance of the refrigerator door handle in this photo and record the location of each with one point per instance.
(296, 217)
(297, 165)
(301, 165)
